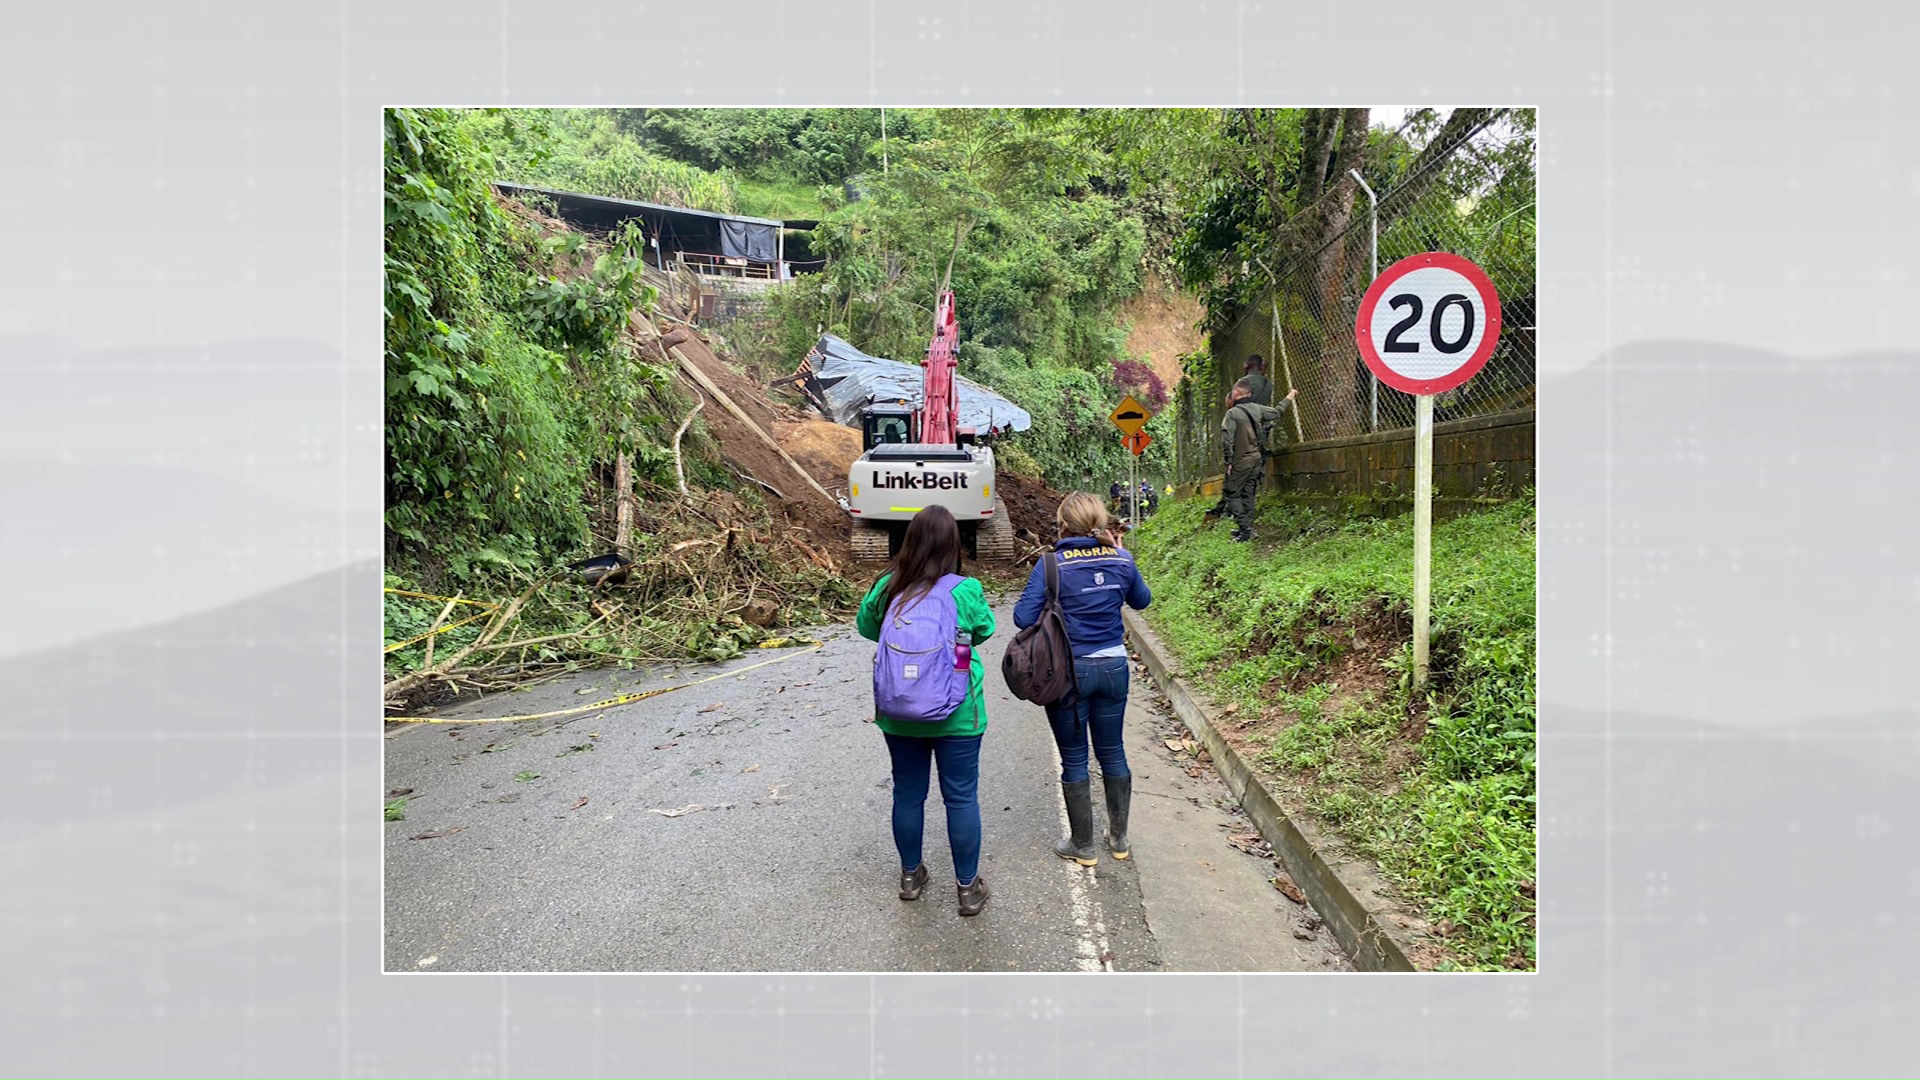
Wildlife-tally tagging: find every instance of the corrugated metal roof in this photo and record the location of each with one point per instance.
(636, 207)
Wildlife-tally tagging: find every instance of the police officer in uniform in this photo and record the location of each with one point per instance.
(1242, 432)
(1259, 387)
(1260, 392)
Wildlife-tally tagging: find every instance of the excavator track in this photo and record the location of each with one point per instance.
(870, 542)
(994, 541)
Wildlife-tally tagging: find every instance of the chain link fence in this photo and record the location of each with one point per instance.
(1471, 195)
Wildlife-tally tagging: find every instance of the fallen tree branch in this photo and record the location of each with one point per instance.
(439, 671)
(679, 467)
(434, 630)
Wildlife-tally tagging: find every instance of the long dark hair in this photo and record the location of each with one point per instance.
(930, 550)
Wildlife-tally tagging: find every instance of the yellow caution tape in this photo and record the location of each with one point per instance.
(430, 596)
(487, 609)
(784, 642)
(622, 699)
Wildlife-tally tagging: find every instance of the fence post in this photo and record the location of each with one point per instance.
(1373, 247)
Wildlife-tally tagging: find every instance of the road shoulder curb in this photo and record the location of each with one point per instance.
(1358, 920)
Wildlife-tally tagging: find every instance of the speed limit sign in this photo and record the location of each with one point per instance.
(1428, 323)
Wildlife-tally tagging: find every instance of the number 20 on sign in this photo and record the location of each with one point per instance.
(1426, 325)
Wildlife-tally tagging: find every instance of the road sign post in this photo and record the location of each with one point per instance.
(1131, 418)
(1425, 326)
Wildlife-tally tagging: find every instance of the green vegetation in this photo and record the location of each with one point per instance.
(1019, 212)
(1305, 635)
(1247, 187)
(585, 150)
(513, 388)
(507, 373)
(1043, 221)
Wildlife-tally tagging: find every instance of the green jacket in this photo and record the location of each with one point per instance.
(970, 602)
(1262, 388)
(1243, 428)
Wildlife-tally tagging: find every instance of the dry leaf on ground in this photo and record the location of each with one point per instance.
(690, 808)
(437, 833)
(1289, 890)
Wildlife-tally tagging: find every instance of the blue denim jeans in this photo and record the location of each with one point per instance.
(959, 757)
(1095, 711)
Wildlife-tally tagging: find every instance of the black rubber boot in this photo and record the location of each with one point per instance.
(973, 897)
(1078, 846)
(912, 881)
(1119, 790)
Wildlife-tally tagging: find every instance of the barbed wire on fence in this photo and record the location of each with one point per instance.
(1474, 198)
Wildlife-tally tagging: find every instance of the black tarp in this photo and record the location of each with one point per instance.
(842, 380)
(747, 240)
(676, 228)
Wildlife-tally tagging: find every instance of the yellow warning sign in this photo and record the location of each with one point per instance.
(1131, 416)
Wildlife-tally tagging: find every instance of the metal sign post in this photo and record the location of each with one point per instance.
(1424, 327)
(1422, 533)
(1131, 418)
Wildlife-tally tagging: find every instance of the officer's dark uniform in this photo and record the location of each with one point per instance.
(1240, 434)
(1260, 389)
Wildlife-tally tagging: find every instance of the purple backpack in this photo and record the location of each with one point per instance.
(919, 673)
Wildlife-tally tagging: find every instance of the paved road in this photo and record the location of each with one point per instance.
(792, 867)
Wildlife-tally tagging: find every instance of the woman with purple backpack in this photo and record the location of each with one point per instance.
(929, 701)
(1096, 577)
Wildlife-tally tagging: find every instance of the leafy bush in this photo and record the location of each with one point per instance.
(507, 377)
(1010, 457)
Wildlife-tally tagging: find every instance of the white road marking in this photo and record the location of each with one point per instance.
(1089, 917)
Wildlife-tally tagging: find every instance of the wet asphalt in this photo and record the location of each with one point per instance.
(788, 863)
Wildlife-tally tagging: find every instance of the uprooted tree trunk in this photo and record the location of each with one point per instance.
(623, 503)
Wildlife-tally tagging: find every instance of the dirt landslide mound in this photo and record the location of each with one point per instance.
(823, 448)
(1031, 504)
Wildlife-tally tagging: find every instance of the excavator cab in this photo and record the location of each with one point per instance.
(881, 424)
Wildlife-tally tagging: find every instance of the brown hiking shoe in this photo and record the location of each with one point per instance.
(973, 897)
(912, 881)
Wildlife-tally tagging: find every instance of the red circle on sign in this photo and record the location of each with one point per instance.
(1489, 338)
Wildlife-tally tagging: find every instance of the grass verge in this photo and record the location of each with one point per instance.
(1305, 639)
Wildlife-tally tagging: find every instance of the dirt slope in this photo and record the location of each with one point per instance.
(1162, 321)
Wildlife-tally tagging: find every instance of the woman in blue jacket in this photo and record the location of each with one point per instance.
(1097, 576)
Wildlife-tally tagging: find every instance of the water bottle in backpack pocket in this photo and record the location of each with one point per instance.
(917, 673)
